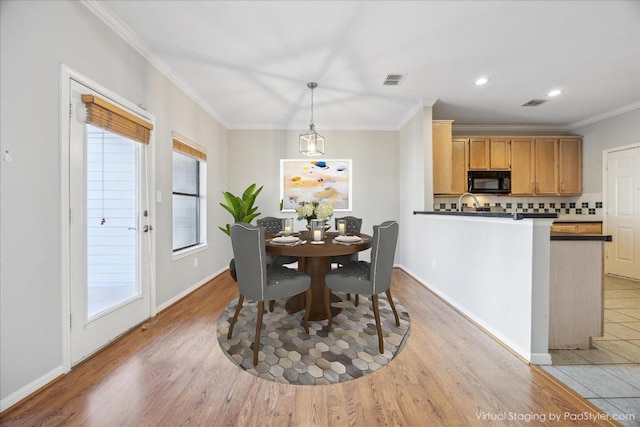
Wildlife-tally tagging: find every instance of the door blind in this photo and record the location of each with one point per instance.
(103, 114)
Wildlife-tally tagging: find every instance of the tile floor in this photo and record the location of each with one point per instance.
(609, 374)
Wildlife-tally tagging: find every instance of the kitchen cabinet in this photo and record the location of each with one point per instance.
(577, 227)
(479, 153)
(570, 165)
(540, 166)
(442, 156)
(458, 165)
(489, 153)
(576, 293)
(546, 166)
(522, 166)
(500, 153)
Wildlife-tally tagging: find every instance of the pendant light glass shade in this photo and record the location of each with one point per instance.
(311, 143)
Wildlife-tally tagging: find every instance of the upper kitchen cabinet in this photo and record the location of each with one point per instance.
(458, 165)
(489, 153)
(522, 166)
(500, 153)
(442, 156)
(546, 166)
(479, 153)
(570, 165)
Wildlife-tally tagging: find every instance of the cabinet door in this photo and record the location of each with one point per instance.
(500, 153)
(522, 171)
(441, 142)
(458, 166)
(478, 153)
(546, 161)
(570, 166)
(589, 228)
(564, 228)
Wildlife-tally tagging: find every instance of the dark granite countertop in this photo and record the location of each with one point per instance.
(578, 221)
(514, 216)
(580, 237)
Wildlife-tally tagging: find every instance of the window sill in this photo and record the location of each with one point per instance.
(189, 251)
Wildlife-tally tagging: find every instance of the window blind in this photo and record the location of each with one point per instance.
(103, 114)
(188, 150)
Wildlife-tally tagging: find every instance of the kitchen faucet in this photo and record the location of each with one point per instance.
(475, 201)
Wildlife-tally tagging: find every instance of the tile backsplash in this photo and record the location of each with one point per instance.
(588, 207)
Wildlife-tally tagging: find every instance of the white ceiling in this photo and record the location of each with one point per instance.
(248, 62)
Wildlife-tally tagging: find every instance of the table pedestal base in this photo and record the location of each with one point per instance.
(315, 267)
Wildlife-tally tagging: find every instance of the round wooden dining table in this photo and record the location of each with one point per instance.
(315, 260)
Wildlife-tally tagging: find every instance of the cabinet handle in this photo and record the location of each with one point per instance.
(562, 185)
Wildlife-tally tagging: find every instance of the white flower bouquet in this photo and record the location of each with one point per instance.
(314, 210)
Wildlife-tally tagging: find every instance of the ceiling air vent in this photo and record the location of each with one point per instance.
(393, 79)
(534, 103)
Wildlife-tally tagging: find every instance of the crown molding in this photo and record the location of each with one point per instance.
(605, 115)
(509, 128)
(131, 38)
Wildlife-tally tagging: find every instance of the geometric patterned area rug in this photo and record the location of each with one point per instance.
(288, 355)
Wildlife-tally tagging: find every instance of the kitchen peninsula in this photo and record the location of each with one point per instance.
(495, 268)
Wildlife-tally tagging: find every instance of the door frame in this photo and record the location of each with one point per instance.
(605, 176)
(66, 75)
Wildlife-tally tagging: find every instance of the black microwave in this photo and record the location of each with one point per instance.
(489, 182)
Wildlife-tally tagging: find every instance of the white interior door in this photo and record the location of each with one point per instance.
(110, 242)
(622, 217)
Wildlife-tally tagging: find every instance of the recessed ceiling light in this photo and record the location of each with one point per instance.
(482, 81)
(554, 92)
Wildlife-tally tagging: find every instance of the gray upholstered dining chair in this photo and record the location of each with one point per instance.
(353, 225)
(273, 225)
(364, 278)
(260, 281)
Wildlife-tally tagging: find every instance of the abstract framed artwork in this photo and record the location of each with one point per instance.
(322, 180)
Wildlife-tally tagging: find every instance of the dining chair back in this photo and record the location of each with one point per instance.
(368, 278)
(353, 224)
(273, 225)
(260, 281)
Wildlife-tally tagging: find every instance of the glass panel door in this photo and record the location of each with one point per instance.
(112, 247)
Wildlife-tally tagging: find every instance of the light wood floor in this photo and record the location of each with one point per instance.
(174, 374)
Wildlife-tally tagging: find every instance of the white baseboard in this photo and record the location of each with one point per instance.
(189, 290)
(30, 388)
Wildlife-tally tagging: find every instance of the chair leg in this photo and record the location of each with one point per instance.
(256, 345)
(393, 306)
(327, 306)
(357, 300)
(307, 309)
(376, 314)
(235, 316)
(348, 297)
(271, 305)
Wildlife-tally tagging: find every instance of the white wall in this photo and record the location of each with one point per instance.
(254, 157)
(415, 181)
(494, 270)
(35, 39)
(616, 131)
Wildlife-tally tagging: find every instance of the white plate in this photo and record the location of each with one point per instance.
(285, 239)
(348, 239)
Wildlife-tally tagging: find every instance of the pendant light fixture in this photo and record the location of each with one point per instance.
(311, 143)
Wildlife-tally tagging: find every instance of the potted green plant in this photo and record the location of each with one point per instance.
(242, 210)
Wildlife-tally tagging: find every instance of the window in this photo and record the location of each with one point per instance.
(189, 182)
